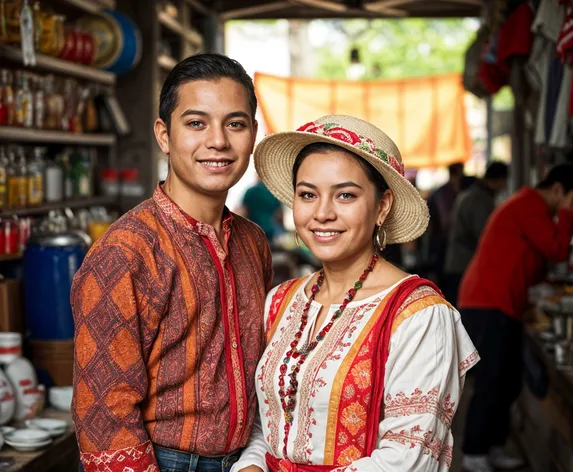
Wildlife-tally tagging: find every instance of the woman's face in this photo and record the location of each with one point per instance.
(336, 207)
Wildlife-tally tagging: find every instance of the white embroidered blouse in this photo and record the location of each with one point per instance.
(429, 355)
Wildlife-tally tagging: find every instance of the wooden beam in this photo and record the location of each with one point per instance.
(323, 5)
(253, 11)
(197, 5)
(384, 5)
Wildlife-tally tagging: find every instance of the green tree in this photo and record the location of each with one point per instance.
(398, 48)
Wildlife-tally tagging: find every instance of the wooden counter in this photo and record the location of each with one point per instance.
(544, 426)
(60, 456)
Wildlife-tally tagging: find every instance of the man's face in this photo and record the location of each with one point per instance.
(211, 136)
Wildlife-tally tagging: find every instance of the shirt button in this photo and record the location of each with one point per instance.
(234, 344)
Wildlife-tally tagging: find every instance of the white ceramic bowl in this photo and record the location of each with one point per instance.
(26, 447)
(28, 436)
(52, 426)
(61, 398)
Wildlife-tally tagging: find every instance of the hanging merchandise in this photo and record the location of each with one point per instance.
(27, 35)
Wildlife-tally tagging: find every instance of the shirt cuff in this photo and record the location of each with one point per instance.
(139, 458)
(241, 464)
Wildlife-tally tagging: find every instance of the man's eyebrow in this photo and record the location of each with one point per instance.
(233, 114)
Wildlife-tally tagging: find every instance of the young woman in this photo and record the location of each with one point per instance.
(364, 364)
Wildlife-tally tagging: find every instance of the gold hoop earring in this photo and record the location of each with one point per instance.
(296, 240)
(380, 239)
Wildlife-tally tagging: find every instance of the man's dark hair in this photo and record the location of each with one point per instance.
(559, 174)
(456, 169)
(496, 170)
(322, 148)
(210, 67)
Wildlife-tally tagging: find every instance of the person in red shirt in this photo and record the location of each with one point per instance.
(519, 238)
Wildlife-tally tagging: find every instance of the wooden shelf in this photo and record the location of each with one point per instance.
(172, 24)
(47, 207)
(166, 62)
(10, 257)
(59, 66)
(24, 135)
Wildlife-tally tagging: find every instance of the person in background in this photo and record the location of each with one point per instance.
(261, 207)
(434, 241)
(519, 238)
(168, 304)
(471, 212)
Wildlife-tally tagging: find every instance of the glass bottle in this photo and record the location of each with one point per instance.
(27, 34)
(3, 107)
(24, 101)
(3, 23)
(8, 97)
(3, 178)
(35, 193)
(17, 178)
(64, 161)
(13, 9)
(54, 182)
(39, 103)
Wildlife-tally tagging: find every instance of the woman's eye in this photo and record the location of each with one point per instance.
(305, 195)
(346, 196)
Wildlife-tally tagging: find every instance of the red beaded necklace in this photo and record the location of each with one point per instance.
(288, 395)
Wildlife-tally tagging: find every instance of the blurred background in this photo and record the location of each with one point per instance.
(458, 84)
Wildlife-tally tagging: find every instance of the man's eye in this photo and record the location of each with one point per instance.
(195, 124)
(237, 125)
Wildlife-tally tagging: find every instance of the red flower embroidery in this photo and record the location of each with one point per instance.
(342, 134)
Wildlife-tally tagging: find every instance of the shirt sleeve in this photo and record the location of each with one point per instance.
(256, 450)
(551, 239)
(430, 353)
(110, 376)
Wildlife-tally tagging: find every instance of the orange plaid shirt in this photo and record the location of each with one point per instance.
(169, 331)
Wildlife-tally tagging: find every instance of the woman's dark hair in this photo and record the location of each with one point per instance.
(209, 67)
(322, 148)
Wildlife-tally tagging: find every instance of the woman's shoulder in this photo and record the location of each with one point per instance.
(422, 297)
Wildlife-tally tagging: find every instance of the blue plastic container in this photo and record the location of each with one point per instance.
(50, 262)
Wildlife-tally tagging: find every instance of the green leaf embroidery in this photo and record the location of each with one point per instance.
(382, 154)
(327, 126)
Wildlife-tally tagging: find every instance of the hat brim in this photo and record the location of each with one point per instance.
(274, 161)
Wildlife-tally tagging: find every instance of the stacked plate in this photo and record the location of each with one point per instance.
(52, 426)
(28, 439)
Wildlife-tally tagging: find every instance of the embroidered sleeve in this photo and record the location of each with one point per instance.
(110, 377)
(424, 382)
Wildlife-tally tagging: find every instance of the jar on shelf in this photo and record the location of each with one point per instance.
(130, 184)
(110, 182)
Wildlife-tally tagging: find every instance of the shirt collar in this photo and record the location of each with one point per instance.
(170, 208)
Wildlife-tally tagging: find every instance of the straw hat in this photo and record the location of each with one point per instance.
(275, 156)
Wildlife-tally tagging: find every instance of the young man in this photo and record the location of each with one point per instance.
(471, 211)
(519, 238)
(168, 305)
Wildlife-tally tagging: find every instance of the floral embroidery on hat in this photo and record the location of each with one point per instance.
(333, 130)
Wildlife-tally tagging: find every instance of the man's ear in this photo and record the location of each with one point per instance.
(162, 135)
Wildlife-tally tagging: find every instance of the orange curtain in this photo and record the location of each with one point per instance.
(426, 117)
